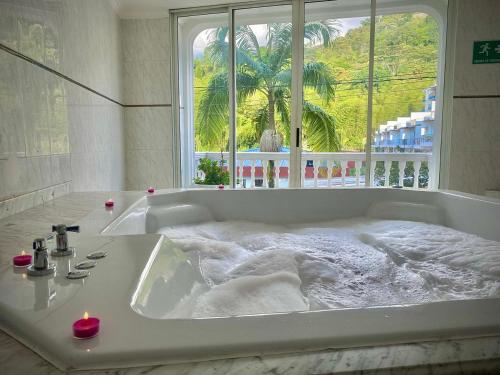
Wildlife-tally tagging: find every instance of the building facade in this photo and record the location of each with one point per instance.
(409, 134)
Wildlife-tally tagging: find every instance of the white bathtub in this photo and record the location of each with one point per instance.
(132, 336)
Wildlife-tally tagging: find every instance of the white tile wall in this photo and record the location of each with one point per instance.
(55, 135)
(146, 81)
(475, 148)
(477, 20)
(475, 140)
(148, 133)
(146, 61)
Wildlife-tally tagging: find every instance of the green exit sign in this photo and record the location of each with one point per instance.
(486, 52)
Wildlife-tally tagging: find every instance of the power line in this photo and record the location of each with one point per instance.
(322, 102)
(360, 81)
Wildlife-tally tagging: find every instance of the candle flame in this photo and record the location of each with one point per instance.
(23, 252)
(86, 315)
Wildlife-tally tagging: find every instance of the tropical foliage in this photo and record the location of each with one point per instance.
(213, 173)
(335, 76)
(263, 84)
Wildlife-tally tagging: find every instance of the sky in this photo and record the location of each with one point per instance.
(260, 31)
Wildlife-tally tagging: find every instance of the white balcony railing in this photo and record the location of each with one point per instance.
(328, 169)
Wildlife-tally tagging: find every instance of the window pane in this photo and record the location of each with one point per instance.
(404, 97)
(334, 121)
(263, 89)
(203, 98)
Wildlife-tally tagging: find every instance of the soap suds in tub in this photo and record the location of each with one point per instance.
(254, 268)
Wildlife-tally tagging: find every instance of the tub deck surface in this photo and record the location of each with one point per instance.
(472, 350)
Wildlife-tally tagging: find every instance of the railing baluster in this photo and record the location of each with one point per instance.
(343, 167)
(373, 165)
(302, 172)
(357, 165)
(264, 173)
(401, 166)
(240, 172)
(329, 172)
(252, 174)
(429, 174)
(416, 165)
(277, 173)
(387, 172)
(315, 171)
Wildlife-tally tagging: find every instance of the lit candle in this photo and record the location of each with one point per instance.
(109, 203)
(22, 260)
(151, 189)
(86, 328)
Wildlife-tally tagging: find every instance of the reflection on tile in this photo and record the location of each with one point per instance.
(58, 116)
(11, 112)
(34, 88)
(45, 118)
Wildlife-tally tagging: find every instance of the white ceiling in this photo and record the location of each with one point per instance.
(160, 8)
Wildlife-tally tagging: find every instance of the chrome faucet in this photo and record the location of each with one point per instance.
(62, 248)
(41, 265)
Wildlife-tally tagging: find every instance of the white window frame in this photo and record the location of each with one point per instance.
(183, 134)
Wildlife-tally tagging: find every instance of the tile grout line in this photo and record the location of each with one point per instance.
(69, 79)
(476, 96)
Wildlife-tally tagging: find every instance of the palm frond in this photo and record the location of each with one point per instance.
(317, 76)
(218, 48)
(320, 129)
(279, 46)
(284, 78)
(246, 85)
(246, 41)
(213, 110)
(218, 52)
(322, 32)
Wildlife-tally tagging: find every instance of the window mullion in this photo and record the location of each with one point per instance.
(298, 20)
(369, 114)
(232, 98)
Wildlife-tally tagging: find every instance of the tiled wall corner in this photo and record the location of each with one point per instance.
(148, 134)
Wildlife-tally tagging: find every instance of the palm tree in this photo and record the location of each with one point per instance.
(265, 72)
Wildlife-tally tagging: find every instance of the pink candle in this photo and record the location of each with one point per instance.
(86, 328)
(109, 203)
(22, 260)
(151, 189)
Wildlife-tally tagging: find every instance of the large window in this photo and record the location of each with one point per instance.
(368, 112)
